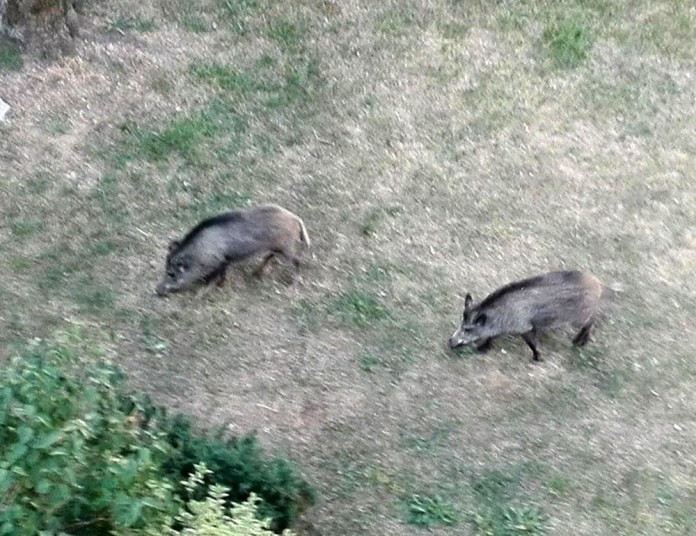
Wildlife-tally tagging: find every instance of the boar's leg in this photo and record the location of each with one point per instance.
(218, 275)
(222, 276)
(530, 339)
(486, 345)
(289, 255)
(583, 335)
(258, 273)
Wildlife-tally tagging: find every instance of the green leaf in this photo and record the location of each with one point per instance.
(48, 440)
(16, 453)
(18, 470)
(42, 487)
(25, 434)
(128, 511)
(6, 480)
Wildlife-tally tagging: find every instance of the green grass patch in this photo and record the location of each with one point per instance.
(38, 184)
(238, 13)
(274, 84)
(102, 248)
(288, 34)
(57, 126)
(161, 84)
(19, 264)
(368, 361)
(92, 298)
(396, 24)
(374, 217)
(496, 485)
(202, 139)
(427, 446)
(495, 520)
(151, 339)
(588, 357)
(558, 484)
(226, 78)
(427, 511)
(194, 24)
(569, 42)
(359, 309)
(26, 228)
(500, 507)
(181, 136)
(10, 55)
(299, 81)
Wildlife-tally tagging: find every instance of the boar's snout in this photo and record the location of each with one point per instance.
(454, 341)
(162, 289)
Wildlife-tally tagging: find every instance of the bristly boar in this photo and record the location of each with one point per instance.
(206, 251)
(524, 307)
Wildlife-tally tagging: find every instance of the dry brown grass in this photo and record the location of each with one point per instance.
(445, 131)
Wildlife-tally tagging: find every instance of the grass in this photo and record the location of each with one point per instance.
(274, 86)
(360, 310)
(57, 126)
(238, 13)
(429, 445)
(226, 78)
(432, 149)
(288, 34)
(569, 42)
(509, 521)
(181, 136)
(26, 228)
(426, 511)
(498, 511)
(373, 219)
(125, 24)
(368, 361)
(10, 55)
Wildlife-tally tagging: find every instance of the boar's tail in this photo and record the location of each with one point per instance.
(304, 237)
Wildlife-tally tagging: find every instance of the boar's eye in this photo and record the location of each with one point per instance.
(171, 273)
(481, 319)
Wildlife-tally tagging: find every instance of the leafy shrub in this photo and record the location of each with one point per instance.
(209, 517)
(241, 467)
(79, 455)
(72, 459)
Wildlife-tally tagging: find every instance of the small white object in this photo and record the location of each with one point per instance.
(4, 108)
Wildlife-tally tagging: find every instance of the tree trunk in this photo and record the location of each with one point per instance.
(45, 26)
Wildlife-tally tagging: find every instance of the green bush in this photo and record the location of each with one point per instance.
(239, 465)
(210, 517)
(80, 456)
(71, 458)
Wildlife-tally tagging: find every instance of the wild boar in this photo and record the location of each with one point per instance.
(206, 251)
(524, 307)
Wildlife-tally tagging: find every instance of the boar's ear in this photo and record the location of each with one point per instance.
(173, 245)
(467, 301)
(481, 319)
